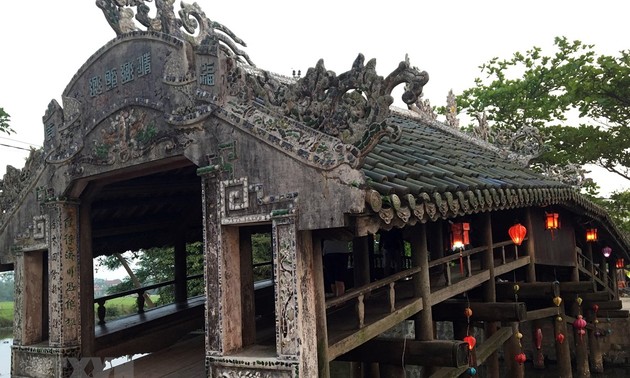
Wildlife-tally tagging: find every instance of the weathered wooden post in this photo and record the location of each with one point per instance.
(490, 293)
(563, 352)
(511, 349)
(596, 360)
(323, 366)
(247, 287)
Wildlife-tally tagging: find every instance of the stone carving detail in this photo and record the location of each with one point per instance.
(15, 181)
(423, 108)
(451, 111)
(352, 107)
(192, 19)
(285, 250)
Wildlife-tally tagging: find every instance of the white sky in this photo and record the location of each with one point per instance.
(44, 43)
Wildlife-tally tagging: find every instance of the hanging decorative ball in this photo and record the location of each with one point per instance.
(559, 318)
(516, 288)
(472, 371)
(560, 338)
(581, 332)
(596, 321)
(518, 335)
(520, 358)
(579, 301)
(609, 331)
(598, 333)
(595, 308)
(557, 301)
(538, 336)
(468, 312)
(471, 341)
(579, 323)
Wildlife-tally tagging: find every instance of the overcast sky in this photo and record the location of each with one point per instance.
(44, 43)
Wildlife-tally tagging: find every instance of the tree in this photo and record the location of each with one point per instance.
(4, 122)
(544, 92)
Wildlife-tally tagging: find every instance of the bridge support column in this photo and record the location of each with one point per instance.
(63, 313)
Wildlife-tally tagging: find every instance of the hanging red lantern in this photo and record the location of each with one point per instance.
(520, 358)
(591, 235)
(579, 324)
(471, 341)
(552, 221)
(560, 338)
(539, 337)
(459, 235)
(606, 251)
(619, 264)
(517, 233)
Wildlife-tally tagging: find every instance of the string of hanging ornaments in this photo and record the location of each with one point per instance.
(472, 363)
(520, 358)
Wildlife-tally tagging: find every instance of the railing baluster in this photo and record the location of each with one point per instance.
(449, 275)
(101, 312)
(140, 301)
(360, 312)
(503, 255)
(391, 295)
(468, 266)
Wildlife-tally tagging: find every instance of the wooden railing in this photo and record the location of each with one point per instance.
(388, 284)
(607, 280)
(140, 292)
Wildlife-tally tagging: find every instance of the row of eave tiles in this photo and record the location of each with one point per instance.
(427, 160)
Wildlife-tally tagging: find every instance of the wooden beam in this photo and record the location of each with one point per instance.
(374, 329)
(462, 286)
(604, 305)
(492, 311)
(451, 353)
(506, 268)
(617, 314)
(536, 290)
(542, 313)
(484, 350)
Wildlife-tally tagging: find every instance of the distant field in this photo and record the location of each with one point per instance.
(118, 307)
(6, 314)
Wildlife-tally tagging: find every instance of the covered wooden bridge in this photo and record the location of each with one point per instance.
(171, 136)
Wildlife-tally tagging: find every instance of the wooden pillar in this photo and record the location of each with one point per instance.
(247, 287)
(423, 321)
(595, 357)
(581, 348)
(323, 366)
(421, 282)
(360, 256)
(511, 348)
(489, 291)
(64, 271)
(563, 352)
(181, 289)
(530, 247)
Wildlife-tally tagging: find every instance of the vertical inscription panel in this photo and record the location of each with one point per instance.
(63, 270)
(212, 271)
(284, 259)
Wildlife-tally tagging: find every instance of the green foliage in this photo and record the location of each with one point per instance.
(262, 253)
(6, 314)
(6, 286)
(579, 101)
(4, 122)
(618, 206)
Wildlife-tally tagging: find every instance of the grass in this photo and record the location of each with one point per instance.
(6, 314)
(118, 307)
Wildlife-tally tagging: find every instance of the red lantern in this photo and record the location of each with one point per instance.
(520, 358)
(459, 235)
(606, 251)
(579, 324)
(591, 235)
(468, 312)
(539, 337)
(552, 221)
(595, 308)
(560, 338)
(517, 233)
(619, 264)
(471, 341)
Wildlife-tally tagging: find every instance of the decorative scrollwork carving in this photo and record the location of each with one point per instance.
(119, 15)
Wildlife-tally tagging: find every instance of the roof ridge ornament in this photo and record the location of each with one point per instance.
(352, 106)
(120, 15)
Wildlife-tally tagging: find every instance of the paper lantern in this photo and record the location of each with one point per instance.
(468, 312)
(557, 301)
(606, 251)
(552, 221)
(520, 358)
(619, 264)
(472, 371)
(471, 341)
(560, 338)
(591, 235)
(538, 338)
(459, 235)
(517, 233)
(595, 308)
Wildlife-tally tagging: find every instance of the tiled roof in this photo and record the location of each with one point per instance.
(433, 171)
